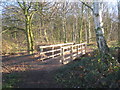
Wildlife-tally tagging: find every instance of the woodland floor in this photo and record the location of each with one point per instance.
(32, 72)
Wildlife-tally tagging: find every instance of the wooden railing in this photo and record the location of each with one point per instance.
(67, 51)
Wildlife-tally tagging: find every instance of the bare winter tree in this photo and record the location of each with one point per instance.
(119, 21)
(102, 45)
(98, 23)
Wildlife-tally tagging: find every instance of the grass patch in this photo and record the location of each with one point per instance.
(9, 80)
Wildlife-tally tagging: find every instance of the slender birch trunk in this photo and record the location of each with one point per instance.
(118, 21)
(102, 45)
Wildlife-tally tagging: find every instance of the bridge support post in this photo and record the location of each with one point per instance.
(71, 52)
(53, 52)
(62, 55)
(81, 49)
(41, 50)
(77, 51)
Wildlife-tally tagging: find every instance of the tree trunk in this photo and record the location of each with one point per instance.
(73, 33)
(119, 22)
(29, 35)
(89, 26)
(81, 27)
(52, 32)
(110, 32)
(64, 23)
(45, 35)
(86, 28)
(101, 42)
(64, 30)
(76, 27)
(86, 33)
(28, 30)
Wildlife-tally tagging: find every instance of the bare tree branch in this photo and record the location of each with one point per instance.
(86, 5)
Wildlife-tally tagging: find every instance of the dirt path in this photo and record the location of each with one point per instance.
(33, 73)
(38, 79)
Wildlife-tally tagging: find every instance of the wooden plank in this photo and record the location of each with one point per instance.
(80, 44)
(51, 51)
(55, 45)
(67, 57)
(59, 45)
(46, 57)
(73, 50)
(79, 48)
(55, 55)
(75, 45)
(74, 55)
(67, 52)
(66, 47)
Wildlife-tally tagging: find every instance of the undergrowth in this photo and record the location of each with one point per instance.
(9, 80)
(90, 72)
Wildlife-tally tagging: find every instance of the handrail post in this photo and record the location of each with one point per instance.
(77, 50)
(41, 50)
(71, 52)
(60, 50)
(62, 53)
(81, 50)
(84, 48)
(53, 51)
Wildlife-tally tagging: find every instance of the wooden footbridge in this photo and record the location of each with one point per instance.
(66, 52)
(51, 55)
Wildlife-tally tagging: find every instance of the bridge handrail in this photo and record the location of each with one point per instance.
(64, 49)
(56, 45)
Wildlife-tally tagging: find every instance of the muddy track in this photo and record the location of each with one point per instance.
(33, 72)
(37, 79)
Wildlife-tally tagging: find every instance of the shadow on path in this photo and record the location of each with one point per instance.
(33, 72)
